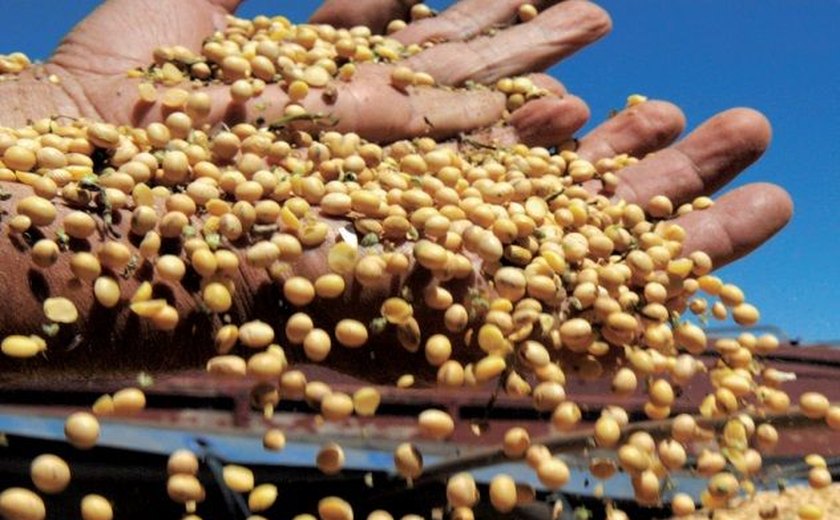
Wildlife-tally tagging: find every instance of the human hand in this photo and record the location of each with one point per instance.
(92, 65)
(115, 342)
(700, 165)
(646, 128)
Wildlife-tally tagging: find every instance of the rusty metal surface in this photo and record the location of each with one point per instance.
(191, 400)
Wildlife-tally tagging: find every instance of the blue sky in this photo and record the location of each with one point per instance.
(781, 57)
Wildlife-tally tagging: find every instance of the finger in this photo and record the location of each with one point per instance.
(362, 106)
(556, 33)
(370, 13)
(572, 114)
(636, 131)
(386, 115)
(464, 20)
(547, 82)
(228, 5)
(737, 223)
(550, 120)
(546, 121)
(700, 164)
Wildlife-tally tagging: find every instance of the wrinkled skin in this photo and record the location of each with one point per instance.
(93, 59)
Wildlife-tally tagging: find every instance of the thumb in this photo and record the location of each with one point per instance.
(371, 13)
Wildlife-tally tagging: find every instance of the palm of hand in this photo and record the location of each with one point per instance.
(121, 35)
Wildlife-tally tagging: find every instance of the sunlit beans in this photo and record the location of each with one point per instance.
(336, 406)
(19, 158)
(298, 291)
(351, 333)
(503, 493)
(564, 279)
(166, 318)
(672, 454)
(489, 367)
(114, 255)
(262, 497)
(18, 346)
(21, 504)
(103, 406)
(809, 512)
(103, 135)
(607, 431)
(435, 424)
(182, 461)
(40, 211)
(633, 459)
(553, 473)
(50, 473)
(745, 314)
(767, 436)
(317, 345)
(366, 401)
(516, 442)
(396, 310)
(45, 253)
(691, 337)
(266, 365)
(402, 77)
(334, 508)
(297, 327)
(408, 460)
(438, 349)
(566, 416)
(82, 430)
(96, 507)
(238, 478)
(20, 223)
(624, 382)
(85, 266)
(129, 401)
(262, 254)
(330, 458)
(646, 487)
(548, 395)
(170, 268)
(819, 477)
(461, 490)
(813, 405)
(329, 286)
(204, 262)
(430, 255)
(723, 485)
(832, 417)
(79, 224)
(661, 393)
(184, 489)
(576, 334)
(274, 439)
(527, 12)
(256, 334)
(456, 318)
(710, 463)
(216, 297)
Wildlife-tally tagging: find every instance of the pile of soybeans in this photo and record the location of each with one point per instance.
(560, 274)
